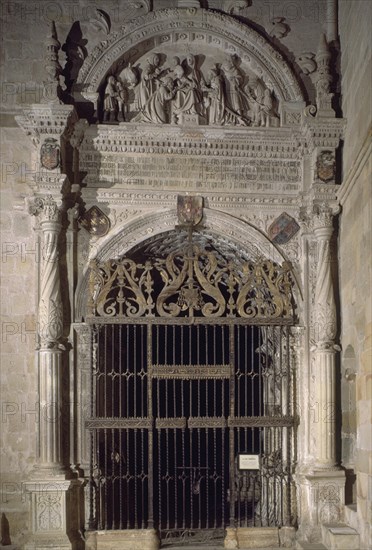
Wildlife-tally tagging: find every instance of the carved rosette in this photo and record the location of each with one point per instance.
(50, 304)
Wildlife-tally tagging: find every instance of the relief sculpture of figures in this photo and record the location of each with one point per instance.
(174, 90)
(235, 94)
(218, 111)
(149, 81)
(215, 101)
(197, 78)
(186, 98)
(155, 110)
(110, 102)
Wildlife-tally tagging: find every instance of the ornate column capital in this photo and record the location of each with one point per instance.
(323, 220)
(48, 211)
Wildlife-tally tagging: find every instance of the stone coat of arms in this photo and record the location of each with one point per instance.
(189, 210)
(50, 154)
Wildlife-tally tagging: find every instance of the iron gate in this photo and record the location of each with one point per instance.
(174, 406)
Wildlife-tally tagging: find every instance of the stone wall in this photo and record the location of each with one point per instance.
(355, 253)
(18, 332)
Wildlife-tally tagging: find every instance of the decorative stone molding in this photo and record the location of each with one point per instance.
(280, 29)
(234, 7)
(83, 348)
(47, 120)
(306, 62)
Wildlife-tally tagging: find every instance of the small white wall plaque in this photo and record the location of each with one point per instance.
(248, 462)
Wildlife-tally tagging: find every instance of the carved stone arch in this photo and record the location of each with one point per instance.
(225, 231)
(197, 28)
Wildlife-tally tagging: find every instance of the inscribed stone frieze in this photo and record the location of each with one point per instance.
(136, 171)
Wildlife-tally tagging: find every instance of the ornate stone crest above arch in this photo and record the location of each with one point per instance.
(232, 238)
(193, 30)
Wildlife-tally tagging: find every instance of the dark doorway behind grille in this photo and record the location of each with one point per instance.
(173, 406)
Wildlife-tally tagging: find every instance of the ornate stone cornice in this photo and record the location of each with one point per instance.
(203, 27)
(324, 132)
(41, 121)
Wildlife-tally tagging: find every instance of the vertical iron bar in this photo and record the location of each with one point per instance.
(113, 479)
(127, 373)
(105, 375)
(121, 481)
(135, 370)
(142, 525)
(105, 479)
(232, 412)
(135, 479)
(289, 450)
(127, 484)
(150, 442)
(215, 477)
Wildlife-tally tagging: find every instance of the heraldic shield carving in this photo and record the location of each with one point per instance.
(95, 222)
(189, 210)
(50, 154)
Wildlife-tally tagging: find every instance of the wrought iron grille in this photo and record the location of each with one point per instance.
(173, 407)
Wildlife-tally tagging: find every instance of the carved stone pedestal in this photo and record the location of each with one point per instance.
(129, 539)
(258, 537)
(321, 501)
(54, 517)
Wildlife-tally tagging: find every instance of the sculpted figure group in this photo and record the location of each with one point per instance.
(164, 94)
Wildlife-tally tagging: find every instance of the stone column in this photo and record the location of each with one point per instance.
(53, 497)
(324, 351)
(322, 487)
(50, 323)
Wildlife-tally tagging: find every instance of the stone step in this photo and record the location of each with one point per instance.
(340, 537)
(302, 545)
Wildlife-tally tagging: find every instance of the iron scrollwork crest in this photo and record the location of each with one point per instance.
(191, 283)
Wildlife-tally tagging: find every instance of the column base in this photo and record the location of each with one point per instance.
(58, 543)
(55, 515)
(258, 537)
(321, 500)
(129, 539)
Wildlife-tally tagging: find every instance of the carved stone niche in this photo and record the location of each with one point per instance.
(188, 66)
